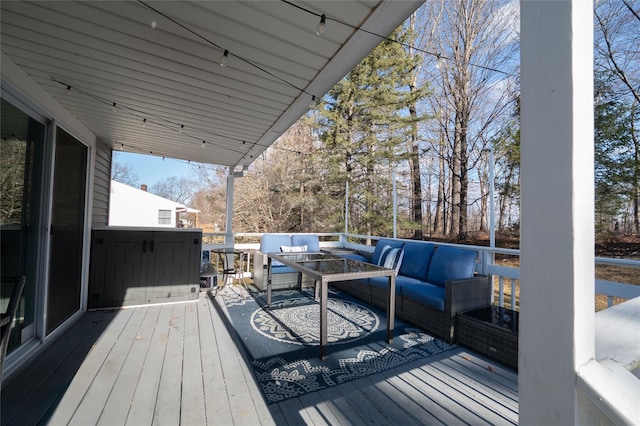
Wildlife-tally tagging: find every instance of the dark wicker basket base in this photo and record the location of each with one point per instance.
(488, 339)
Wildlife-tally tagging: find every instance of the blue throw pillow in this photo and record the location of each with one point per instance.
(391, 258)
(380, 245)
(450, 264)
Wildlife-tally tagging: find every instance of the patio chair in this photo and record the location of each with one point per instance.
(6, 319)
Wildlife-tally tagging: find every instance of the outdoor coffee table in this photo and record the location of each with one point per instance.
(326, 268)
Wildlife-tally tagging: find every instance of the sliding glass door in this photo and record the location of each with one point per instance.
(67, 229)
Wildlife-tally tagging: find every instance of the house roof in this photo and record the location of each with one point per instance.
(142, 196)
(158, 60)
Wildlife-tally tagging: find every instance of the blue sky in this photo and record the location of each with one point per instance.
(151, 169)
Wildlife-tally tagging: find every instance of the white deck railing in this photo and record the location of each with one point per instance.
(505, 277)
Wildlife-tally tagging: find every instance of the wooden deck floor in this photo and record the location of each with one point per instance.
(178, 364)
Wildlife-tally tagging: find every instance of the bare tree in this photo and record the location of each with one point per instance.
(178, 189)
(12, 166)
(123, 173)
(284, 189)
(472, 45)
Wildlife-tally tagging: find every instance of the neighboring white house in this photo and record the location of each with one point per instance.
(131, 206)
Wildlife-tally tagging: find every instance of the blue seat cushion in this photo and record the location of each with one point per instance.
(425, 293)
(416, 260)
(450, 264)
(382, 243)
(311, 241)
(401, 281)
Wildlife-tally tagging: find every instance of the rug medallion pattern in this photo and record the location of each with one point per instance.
(296, 321)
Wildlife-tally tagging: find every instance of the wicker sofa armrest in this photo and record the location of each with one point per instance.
(467, 294)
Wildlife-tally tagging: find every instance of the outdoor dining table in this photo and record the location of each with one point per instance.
(326, 268)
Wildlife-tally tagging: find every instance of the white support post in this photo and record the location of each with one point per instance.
(395, 204)
(492, 204)
(346, 208)
(228, 232)
(557, 208)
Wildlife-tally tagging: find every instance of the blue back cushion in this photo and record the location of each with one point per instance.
(415, 262)
(271, 243)
(380, 245)
(450, 263)
(311, 241)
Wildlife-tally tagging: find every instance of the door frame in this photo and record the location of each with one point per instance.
(86, 237)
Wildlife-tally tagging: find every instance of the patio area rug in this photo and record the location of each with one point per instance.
(283, 345)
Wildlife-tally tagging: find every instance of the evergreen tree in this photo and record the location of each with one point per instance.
(616, 158)
(366, 129)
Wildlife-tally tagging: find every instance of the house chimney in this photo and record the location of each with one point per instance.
(143, 187)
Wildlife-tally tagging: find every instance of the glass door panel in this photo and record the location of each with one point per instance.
(22, 144)
(67, 229)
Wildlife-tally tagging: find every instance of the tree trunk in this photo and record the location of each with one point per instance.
(484, 200)
(414, 160)
(463, 218)
(416, 176)
(636, 171)
(440, 218)
(456, 173)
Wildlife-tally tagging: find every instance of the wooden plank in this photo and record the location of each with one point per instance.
(193, 406)
(263, 412)
(116, 408)
(415, 404)
(28, 399)
(83, 379)
(460, 400)
(144, 400)
(318, 410)
(336, 406)
(275, 416)
(218, 409)
(98, 393)
(374, 406)
(503, 380)
(490, 393)
(294, 412)
(232, 364)
(170, 392)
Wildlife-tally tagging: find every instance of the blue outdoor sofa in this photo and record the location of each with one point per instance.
(433, 284)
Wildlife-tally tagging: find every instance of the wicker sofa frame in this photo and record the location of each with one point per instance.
(461, 296)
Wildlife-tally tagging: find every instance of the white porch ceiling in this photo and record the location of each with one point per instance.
(107, 51)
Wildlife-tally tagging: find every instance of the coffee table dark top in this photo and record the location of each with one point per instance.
(329, 267)
(499, 317)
